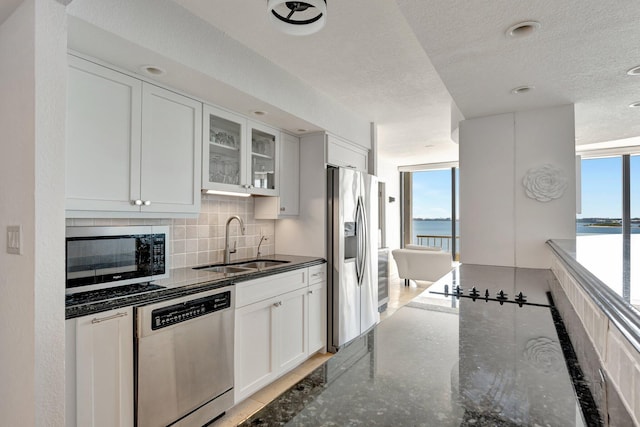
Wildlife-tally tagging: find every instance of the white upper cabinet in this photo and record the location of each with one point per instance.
(239, 155)
(103, 138)
(345, 154)
(131, 146)
(170, 160)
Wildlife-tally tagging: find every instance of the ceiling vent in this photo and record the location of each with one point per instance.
(298, 18)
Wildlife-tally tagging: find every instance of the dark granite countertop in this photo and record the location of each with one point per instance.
(445, 360)
(187, 281)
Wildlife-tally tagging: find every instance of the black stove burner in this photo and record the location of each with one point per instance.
(501, 296)
(109, 293)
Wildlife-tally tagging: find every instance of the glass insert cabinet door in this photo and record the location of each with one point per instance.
(224, 150)
(264, 159)
(239, 155)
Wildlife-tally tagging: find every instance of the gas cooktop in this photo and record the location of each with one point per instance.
(109, 293)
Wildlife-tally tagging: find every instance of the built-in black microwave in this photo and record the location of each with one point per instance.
(104, 257)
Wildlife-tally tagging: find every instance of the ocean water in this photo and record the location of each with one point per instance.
(443, 228)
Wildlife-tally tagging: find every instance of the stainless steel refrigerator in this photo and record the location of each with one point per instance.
(352, 287)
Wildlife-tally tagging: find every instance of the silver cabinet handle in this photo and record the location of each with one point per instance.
(146, 202)
(310, 292)
(317, 274)
(282, 209)
(136, 202)
(277, 304)
(104, 319)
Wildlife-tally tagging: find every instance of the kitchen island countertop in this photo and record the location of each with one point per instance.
(450, 360)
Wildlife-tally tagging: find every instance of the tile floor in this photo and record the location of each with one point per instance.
(399, 295)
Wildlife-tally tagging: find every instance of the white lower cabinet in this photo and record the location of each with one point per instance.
(280, 321)
(317, 316)
(100, 369)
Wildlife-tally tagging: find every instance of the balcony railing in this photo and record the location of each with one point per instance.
(443, 242)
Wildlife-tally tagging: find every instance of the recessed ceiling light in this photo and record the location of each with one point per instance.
(302, 130)
(522, 29)
(522, 89)
(152, 70)
(428, 146)
(260, 113)
(635, 105)
(635, 71)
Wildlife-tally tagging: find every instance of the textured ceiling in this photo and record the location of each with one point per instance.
(392, 60)
(417, 67)
(366, 57)
(579, 55)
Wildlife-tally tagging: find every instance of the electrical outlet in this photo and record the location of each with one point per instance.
(14, 239)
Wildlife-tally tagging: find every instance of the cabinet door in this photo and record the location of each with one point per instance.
(317, 315)
(224, 151)
(289, 175)
(104, 369)
(344, 154)
(103, 138)
(264, 161)
(254, 348)
(291, 329)
(171, 138)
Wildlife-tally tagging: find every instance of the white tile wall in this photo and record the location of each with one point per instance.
(619, 358)
(200, 241)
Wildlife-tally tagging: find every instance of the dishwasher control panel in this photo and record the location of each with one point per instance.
(177, 313)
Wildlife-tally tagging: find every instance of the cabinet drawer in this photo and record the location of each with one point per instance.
(269, 287)
(317, 274)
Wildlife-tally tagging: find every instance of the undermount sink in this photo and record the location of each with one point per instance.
(262, 264)
(227, 269)
(242, 267)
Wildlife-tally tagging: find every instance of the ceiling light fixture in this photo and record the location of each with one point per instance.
(522, 29)
(298, 18)
(635, 71)
(259, 113)
(635, 105)
(152, 70)
(522, 89)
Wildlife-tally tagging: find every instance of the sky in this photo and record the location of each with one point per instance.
(601, 190)
(432, 194)
(602, 187)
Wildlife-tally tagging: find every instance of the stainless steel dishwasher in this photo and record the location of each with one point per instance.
(184, 359)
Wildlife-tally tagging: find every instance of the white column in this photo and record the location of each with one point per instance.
(499, 224)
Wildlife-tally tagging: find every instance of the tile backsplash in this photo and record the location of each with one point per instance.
(200, 241)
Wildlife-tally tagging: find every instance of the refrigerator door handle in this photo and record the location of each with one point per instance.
(361, 240)
(358, 243)
(365, 238)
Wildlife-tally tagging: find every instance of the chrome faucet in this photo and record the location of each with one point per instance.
(227, 249)
(258, 251)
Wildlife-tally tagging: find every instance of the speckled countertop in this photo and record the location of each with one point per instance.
(187, 281)
(450, 361)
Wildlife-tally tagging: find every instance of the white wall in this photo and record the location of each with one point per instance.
(389, 174)
(499, 224)
(33, 87)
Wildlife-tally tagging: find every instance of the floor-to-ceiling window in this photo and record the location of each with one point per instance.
(430, 208)
(601, 195)
(609, 221)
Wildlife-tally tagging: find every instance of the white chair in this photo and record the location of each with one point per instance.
(422, 263)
